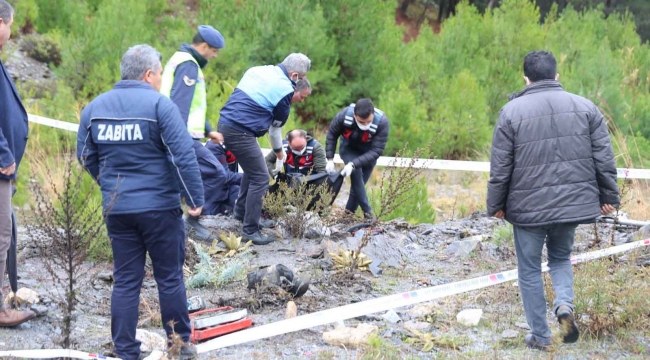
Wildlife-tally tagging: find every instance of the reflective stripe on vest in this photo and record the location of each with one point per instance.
(199, 106)
(305, 161)
(350, 127)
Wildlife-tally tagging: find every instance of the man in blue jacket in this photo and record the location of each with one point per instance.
(261, 103)
(133, 142)
(183, 82)
(220, 196)
(13, 139)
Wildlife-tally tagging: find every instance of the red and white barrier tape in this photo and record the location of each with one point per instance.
(53, 353)
(386, 303)
(329, 316)
(431, 164)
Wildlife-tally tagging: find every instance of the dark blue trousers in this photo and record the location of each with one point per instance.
(358, 179)
(162, 234)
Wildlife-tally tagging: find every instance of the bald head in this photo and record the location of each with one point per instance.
(297, 140)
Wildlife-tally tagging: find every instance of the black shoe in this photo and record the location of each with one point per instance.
(266, 223)
(532, 343)
(188, 352)
(237, 216)
(568, 324)
(257, 239)
(200, 232)
(369, 217)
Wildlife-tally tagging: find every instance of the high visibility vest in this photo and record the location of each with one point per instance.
(351, 131)
(199, 105)
(304, 163)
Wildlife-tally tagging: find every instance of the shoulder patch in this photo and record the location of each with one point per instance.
(188, 81)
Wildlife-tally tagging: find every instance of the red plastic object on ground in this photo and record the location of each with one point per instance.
(228, 325)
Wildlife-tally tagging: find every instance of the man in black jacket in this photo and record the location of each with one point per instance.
(363, 130)
(552, 168)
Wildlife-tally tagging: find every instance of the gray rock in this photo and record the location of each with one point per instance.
(391, 316)
(522, 326)
(383, 247)
(28, 282)
(509, 334)
(40, 310)
(643, 232)
(417, 325)
(465, 247)
(105, 276)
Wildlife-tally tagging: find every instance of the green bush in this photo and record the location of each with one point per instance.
(415, 210)
(42, 48)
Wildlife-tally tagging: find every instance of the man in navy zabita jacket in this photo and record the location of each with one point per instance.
(133, 141)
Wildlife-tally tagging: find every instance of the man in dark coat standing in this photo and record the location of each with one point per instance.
(13, 140)
(552, 168)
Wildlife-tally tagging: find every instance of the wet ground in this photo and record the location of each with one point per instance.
(419, 256)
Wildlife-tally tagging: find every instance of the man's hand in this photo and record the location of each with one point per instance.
(9, 170)
(329, 168)
(278, 166)
(348, 169)
(500, 214)
(195, 211)
(215, 137)
(607, 209)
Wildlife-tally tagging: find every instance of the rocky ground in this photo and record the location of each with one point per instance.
(412, 257)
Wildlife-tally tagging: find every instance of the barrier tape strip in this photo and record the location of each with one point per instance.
(54, 353)
(343, 312)
(386, 303)
(430, 164)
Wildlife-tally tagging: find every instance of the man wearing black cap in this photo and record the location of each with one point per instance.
(184, 83)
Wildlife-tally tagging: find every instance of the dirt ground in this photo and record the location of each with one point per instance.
(419, 258)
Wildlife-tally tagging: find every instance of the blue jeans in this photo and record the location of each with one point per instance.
(162, 234)
(529, 242)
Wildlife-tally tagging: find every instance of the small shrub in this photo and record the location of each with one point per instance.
(610, 296)
(215, 272)
(503, 235)
(291, 204)
(42, 48)
(68, 221)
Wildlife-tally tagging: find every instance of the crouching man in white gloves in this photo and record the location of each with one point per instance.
(363, 130)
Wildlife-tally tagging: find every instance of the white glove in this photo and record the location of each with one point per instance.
(347, 170)
(278, 166)
(330, 166)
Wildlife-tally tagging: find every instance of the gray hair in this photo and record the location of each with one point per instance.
(137, 60)
(297, 62)
(6, 11)
(303, 84)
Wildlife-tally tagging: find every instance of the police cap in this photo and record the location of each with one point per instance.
(212, 36)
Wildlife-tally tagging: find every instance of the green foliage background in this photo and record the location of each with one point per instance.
(441, 90)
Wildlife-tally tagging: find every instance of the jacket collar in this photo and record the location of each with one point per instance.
(195, 54)
(133, 84)
(286, 73)
(537, 86)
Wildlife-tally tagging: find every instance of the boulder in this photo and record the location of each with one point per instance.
(469, 317)
(23, 296)
(150, 341)
(350, 337)
(462, 248)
